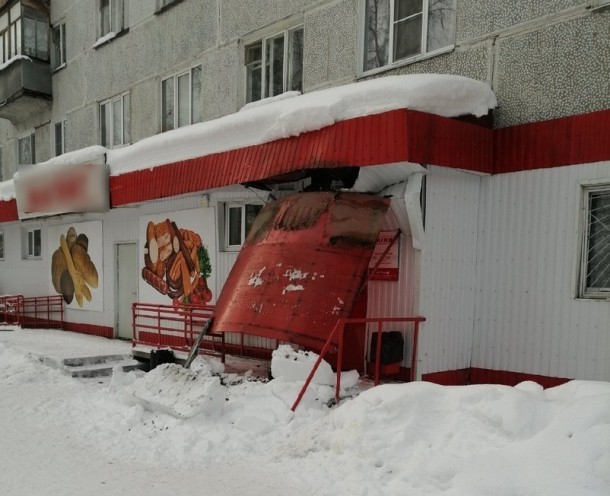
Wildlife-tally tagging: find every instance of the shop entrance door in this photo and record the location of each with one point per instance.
(126, 287)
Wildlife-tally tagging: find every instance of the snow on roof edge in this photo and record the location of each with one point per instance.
(266, 121)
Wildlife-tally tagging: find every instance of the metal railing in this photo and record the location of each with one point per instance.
(10, 308)
(35, 311)
(166, 326)
(339, 331)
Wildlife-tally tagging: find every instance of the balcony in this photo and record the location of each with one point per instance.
(25, 89)
(25, 71)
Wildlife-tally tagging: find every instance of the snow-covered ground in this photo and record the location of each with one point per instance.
(201, 431)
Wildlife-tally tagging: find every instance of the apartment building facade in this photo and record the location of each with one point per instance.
(513, 277)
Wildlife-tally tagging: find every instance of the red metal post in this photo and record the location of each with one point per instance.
(316, 365)
(414, 350)
(339, 360)
(378, 354)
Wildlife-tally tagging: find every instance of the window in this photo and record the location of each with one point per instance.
(595, 273)
(165, 4)
(401, 30)
(1, 245)
(35, 34)
(112, 16)
(26, 150)
(59, 46)
(274, 65)
(239, 218)
(10, 33)
(59, 131)
(33, 243)
(181, 100)
(115, 121)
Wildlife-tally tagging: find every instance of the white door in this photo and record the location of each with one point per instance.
(126, 287)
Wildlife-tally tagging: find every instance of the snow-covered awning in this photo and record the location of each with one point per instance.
(394, 119)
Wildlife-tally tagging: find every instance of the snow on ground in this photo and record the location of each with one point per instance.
(201, 431)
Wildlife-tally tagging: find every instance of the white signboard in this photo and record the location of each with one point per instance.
(44, 190)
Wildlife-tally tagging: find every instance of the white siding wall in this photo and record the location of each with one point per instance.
(396, 298)
(448, 264)
(528, 317)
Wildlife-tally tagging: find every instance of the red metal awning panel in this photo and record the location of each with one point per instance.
(301, 267)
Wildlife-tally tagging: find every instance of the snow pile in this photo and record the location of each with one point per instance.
(440, 94)
(176, 391)
(291, 365)
(418, 439)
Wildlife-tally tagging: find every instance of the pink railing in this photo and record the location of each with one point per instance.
(166, 326)
(339, 332)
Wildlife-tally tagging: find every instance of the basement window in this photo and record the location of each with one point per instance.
(595, 269)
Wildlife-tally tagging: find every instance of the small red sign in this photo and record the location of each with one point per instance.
(388, 268)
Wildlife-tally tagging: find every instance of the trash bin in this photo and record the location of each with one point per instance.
(159, 357)
(392, 347)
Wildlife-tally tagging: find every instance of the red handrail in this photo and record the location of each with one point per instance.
(340, 327)
(173, 327)
(35, 311)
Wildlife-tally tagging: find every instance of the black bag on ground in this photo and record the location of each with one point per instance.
(392, 346)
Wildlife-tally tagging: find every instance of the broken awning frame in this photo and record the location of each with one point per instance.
(302, 267)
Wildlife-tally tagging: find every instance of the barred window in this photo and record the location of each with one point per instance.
(595, 273)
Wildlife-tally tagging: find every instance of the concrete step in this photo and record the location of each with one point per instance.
(88, 367)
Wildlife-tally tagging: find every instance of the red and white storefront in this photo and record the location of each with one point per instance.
(490, 257)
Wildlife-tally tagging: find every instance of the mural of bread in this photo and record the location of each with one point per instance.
(73, 273)
(82, 263)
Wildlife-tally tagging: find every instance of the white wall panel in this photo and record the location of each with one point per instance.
(396, 298)
(528, 317)
(447, 290)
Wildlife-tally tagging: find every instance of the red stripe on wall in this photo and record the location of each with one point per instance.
(396, 136)
(91, 329)
(8, 210)
(474, 375)
(578, 139)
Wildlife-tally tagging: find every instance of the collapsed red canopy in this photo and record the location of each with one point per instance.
(301, 267)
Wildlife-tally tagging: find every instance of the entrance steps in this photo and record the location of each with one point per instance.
(94, 366)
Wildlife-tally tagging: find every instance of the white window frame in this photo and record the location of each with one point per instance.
(195, 114)
(1, 244)
(584, 290)
(115, 25)
(424, 53)
(31, 135)
(227, 224)
(30, 243)
(61, 125)
(125, 109)
(61, 63)
(287, 84)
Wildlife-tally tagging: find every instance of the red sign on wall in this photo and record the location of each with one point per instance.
(388, 267)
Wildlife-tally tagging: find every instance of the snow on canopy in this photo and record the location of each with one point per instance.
(290, 115)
